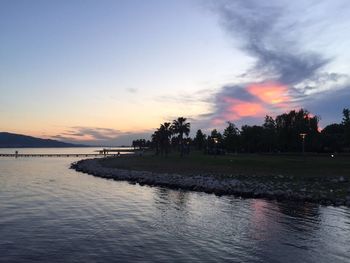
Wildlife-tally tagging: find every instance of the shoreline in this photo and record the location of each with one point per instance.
(281, 190)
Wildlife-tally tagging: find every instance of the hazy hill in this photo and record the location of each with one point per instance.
(11, 140)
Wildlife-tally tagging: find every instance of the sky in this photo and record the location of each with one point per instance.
(107, 72)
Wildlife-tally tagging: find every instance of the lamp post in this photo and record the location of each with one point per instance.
(303, 135)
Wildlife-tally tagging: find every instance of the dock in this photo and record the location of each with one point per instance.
(54, 155)
(99, 153)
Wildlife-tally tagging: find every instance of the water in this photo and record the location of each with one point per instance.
(49, 213)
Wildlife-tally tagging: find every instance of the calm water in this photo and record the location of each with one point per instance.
(53, 214)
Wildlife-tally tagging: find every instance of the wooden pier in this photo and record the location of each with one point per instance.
(53, 155)
(100, 153)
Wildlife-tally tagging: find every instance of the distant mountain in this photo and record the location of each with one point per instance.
(11, 140)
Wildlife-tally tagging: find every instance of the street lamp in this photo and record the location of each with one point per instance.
(303, 135)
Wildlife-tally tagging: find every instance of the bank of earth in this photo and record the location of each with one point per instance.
(319, 179)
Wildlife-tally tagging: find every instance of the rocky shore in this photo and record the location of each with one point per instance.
(278, 188)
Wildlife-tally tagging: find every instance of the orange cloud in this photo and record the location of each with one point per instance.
(246, 109)
(271, 93)
(252, 100)
(237, 109)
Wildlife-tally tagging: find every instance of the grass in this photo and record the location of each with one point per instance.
(242, 165)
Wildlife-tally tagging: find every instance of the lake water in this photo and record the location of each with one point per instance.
(50, 213)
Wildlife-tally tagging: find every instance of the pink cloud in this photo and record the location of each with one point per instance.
(253, 100)
(272, 93)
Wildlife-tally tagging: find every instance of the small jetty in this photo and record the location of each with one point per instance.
(49, 155)
(99, 153)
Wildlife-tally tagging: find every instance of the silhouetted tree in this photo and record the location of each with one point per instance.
(148, 144)
(346, 117)
(346, 124)
(214, 142)
(290, 125)
(165, 132)
(332, 137)
(252, 138)
(231, 137)
(161, 138)
(140, 143)
(269, 137)
(181, 127)
(281, 133)
(156, 138)
(175, 142)
(199, 140)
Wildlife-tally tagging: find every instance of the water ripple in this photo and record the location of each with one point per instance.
(49, 212)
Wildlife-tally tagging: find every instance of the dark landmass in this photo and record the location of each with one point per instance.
(11, 140)
(319, 179)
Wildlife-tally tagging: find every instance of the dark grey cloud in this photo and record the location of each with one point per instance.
(235, 91)
(264, 32)
(329, 104)
(325, 80)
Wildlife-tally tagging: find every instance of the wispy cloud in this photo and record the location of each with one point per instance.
(265, 34)
(284, 73)
(100, 136)
(92, 133)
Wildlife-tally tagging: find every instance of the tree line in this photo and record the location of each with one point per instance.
(288, 132)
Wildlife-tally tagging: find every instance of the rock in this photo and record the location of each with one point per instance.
(339, 202)
(279, 192)
(323, 195)
(334, 180)
(347, 203)
(342, 179)
(328, 202)
(289, 194)
(209, 183)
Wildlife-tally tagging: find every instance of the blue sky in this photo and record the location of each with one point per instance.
(108, 71)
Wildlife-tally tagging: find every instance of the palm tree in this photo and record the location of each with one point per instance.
(156, 140)
(165, 132)
(181, 127)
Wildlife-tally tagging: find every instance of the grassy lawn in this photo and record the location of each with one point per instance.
(241, 165)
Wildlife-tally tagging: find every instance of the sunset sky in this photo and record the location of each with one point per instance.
(107, 71)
